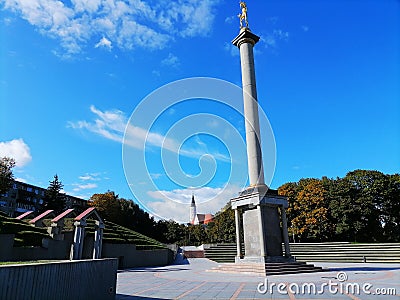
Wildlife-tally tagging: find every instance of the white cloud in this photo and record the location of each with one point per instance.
(104, 43)
(111, 125)
(90, 177)
(130, 24)
(18, 150)
(230, 20)
(271, 40)
(175, 204)
(156, 73)
(213, 124)
(280, 34)
(21, 179)
(155, 175)
(273, 20)
(305, 28)
(171, 61)
(87, 186)
(233, 50)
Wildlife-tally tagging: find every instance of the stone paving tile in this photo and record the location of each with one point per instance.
(194, 282)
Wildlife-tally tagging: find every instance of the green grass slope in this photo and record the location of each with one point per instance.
(25, 234)
(28, 235)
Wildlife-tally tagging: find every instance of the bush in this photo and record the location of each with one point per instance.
(15, 227)
(115, 241)
(31, 238)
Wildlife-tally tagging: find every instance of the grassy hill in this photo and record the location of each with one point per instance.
(116, 234)
(28, 235)
(25, 234)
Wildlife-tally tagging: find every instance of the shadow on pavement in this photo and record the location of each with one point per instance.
(180, 258)
(128, 297)
(138, 270)
(364, 269)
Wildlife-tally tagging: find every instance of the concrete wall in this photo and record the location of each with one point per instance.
(193, 253)
(127, 254)
(272, 230)
(6, 242)
(251, 233)
(129, 257)
(90, 279)
(51, 250)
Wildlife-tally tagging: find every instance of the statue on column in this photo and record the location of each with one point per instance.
(243, 15)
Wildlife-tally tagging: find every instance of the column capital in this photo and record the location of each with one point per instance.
(245, 36)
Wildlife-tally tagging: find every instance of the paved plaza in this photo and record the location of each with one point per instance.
(194, 281)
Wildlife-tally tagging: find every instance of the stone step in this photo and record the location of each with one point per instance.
(349, 260)
(345, 244)
(294, 271)
(266, 269)
(330, 252)
(396, 250)
(354, 254)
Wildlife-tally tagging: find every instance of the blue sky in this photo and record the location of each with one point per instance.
(72, 73)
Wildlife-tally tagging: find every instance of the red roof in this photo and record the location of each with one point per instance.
(204, 218)
(62, 215)
(20, 217)
(41, 216)
(85, 213)
(208, 218)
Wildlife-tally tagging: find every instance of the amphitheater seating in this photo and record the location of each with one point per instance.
(347, 252)
(320, 252)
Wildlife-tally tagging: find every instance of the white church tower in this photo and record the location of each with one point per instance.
(192, 211)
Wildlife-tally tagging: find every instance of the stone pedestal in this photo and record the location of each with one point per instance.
(262, 213)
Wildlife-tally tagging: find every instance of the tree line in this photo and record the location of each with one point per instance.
(126, 212)
(363, 206)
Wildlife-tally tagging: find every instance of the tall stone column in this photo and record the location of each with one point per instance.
(285, 232)
(260, 205)
(245, 42)
(79, 237)
(237, 223)
(98, 240)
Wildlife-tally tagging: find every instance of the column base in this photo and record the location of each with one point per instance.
(264, 259)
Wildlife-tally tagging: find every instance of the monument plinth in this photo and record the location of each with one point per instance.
(260, 210)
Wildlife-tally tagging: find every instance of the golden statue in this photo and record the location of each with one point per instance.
(243, 16)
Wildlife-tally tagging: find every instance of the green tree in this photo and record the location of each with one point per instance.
(293, 211)
(54, 199)
(308, 217)
(6, 174)
(391, 210)
(107, 205)
(312, 219)
(197, 234)
(222, 229)
(125, 213)
(174, 232)
(358, 204)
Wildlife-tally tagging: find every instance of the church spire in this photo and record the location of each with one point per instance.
(193, 202)
(192, 211)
